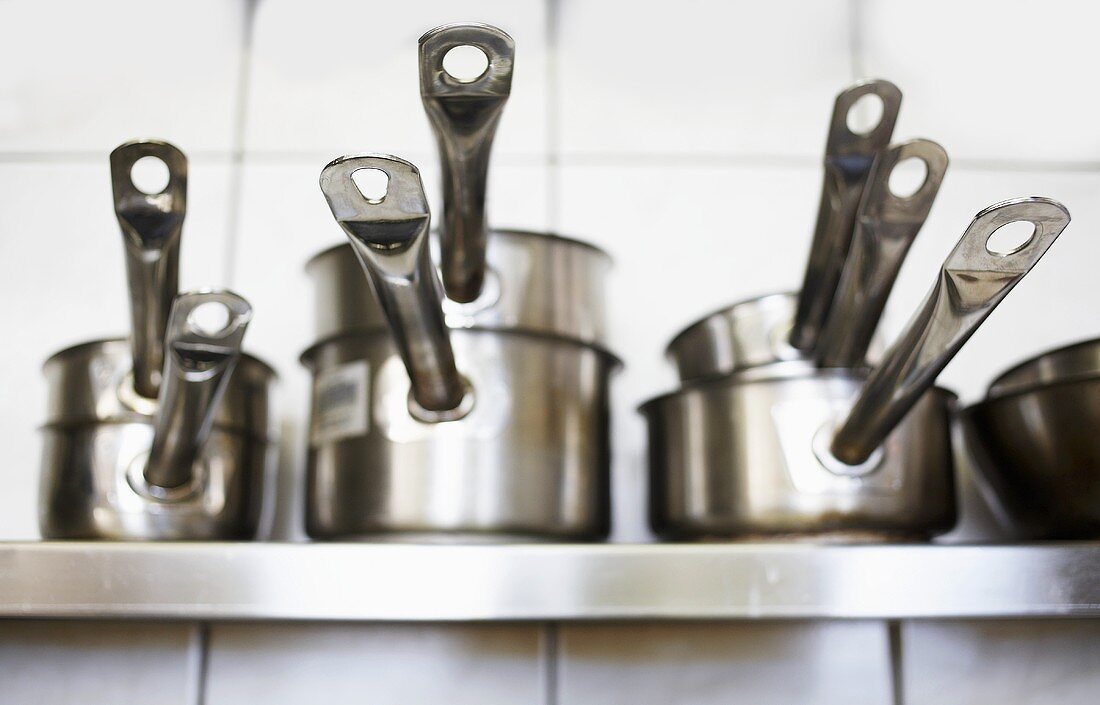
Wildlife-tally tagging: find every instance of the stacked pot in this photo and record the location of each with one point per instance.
(472, 408)
(781, 427)
(167, 434)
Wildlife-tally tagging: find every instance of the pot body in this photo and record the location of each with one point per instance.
(747, 458)
(1038, 450)
(99, 432)
(535, 283)
(530, 460)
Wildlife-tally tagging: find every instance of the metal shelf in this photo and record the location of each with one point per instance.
(391, 582)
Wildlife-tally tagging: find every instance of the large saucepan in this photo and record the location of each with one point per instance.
(838, 452)
(472, 410)
(1036, 440)
(167, 435)
(429, 431)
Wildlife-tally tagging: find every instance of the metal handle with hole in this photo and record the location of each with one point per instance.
(198, 363)
(885, 229)
(972, 281)
(464, 116)
(390, 238)
(151, 226)
(848, 160)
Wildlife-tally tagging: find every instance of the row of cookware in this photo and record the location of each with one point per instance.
(460, 377)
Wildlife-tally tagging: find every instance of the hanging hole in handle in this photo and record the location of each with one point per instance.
(465, 63)
(865, 114)
(150, 175)
(373, 184)
(907, 177)
(210, 318)
(1010, 238)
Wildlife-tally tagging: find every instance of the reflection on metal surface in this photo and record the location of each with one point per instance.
(540, 582)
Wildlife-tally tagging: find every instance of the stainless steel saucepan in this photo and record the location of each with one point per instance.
(1036, 440)
(167, 435)
(838, 452)
(494, 279)
(433, 432)
(784, 327)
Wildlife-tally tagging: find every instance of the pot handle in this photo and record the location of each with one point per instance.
(203, 345)
(151, 226)
(464, 116)
(885, 229)
(389, 235)
(848, 160)
(973, 280)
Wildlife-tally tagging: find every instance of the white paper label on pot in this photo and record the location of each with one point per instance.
(341, 403)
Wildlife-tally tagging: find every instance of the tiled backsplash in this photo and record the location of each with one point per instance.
(684, 138)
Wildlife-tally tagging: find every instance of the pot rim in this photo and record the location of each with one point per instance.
(789, 372)
(719, 311)
(517, 233)
(1014, 394)
(616, 362)
(104, 342)
(1089, 342)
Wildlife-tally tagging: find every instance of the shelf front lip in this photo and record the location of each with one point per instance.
(419, 583)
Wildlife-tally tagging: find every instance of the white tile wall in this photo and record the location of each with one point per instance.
(705, 664)
(84, 77)
(402, 665)
(114, 663)
(993, 81)
(684, 138)
(705, 78)
(1004, 662)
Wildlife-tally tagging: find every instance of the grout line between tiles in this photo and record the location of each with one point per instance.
(236, 171)
(855, 38)
(897, 672)
(551, 660)
(198, 648)
(553, 115)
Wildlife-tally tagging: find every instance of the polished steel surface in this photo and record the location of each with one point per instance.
(390, 237)
(747, 334)
(538, 283)
(885, 228)
(200, 357)
(1077, 361)
(151, 226)
(1036, 444)
(530, 459)
(99, 433)
(743, 457)
(363, 582)
(464, 115)
(92, 486)
(972, 281)
(848, 159)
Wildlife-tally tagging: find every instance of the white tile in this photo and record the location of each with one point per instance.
(1050, 307)
(406, 664)
(820, 663)
(284, 221)
(63, 277)
(1005, 662)
(340, 76)
(86, 76)
(706, 77)
(995, 79)
(73, 663)
(686, 241)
